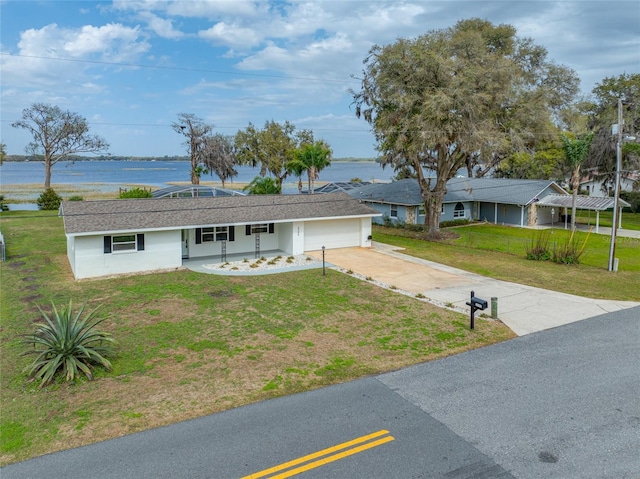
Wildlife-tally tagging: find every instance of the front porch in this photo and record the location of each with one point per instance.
(242, 264)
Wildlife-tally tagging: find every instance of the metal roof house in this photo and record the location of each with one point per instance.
(113, 237)
(496, 200)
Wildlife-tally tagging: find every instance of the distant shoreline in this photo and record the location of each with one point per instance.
(26, 159)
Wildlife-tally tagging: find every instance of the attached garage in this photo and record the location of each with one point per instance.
(335, 233)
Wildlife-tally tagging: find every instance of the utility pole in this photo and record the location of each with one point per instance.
(616, 195)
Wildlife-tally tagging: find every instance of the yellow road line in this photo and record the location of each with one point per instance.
(324, 452)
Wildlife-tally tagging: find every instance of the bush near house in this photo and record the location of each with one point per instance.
(49, 200)
(135, 193)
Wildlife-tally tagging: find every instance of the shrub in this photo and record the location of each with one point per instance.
(570, 251)
(538, 248)
(633, 198)
(450, 223)
(49, 200)
(3, 204)
(135, 193)
(68, 343)
(75, 198)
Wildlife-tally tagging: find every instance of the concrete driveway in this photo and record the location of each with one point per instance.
(525, 309)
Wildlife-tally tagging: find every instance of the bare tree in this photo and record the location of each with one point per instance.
(196, 131)
(219, 156)
(57, 134)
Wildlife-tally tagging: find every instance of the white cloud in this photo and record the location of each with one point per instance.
(38, 48)
(231, 35)
(161, 26)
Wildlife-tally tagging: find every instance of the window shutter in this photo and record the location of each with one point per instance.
(198, 235)
(271, 228)
(247, 230)
(232, 233)
(140, 242)
(107, 244)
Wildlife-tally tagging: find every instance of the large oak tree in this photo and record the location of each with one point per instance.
(469, 93)
(601, 160)
(57, 134)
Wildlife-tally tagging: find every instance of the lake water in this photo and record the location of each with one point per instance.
(160, 173)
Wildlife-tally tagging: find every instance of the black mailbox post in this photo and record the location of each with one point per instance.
(476, 303)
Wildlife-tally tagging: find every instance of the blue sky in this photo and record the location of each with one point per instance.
(131, 66)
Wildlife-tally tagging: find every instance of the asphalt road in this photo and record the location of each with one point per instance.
(561, 403)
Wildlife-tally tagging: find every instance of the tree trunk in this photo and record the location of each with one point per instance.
(47, 173)
(575, 185)
(433, 208)
(312, 176)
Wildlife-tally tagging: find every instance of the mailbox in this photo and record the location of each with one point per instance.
(476, 303)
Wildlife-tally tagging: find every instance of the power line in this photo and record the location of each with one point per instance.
(187, 69)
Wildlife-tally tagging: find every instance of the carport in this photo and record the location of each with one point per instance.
(590, 203)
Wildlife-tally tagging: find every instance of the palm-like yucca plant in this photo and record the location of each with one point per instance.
(68, 342)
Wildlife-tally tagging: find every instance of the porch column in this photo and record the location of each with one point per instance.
(495, 214)
(620, 218)
(597, 220)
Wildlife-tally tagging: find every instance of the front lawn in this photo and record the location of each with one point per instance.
(499, 252)
(193, 344)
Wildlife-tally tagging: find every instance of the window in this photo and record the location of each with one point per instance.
(394, 211)
(119, 243)
(210, 234)
(458, 212)
(222, 233)
(259, 228)
(421, 210)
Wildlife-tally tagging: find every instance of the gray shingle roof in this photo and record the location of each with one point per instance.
(86, 217)
(493, 190)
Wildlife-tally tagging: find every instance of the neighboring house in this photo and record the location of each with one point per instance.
(596, 187)
(496, 200)
(138, 235)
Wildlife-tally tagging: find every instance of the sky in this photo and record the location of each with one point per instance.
(130, 67)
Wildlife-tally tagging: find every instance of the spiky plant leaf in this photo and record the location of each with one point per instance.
(69, 343)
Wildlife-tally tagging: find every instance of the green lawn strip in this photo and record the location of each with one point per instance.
(191, 344)
(583, 279)
(630, 221)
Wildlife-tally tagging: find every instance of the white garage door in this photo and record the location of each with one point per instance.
(331, 234)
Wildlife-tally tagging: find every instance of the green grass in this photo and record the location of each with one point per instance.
(191, 344)
(499, 252)
(630, 221)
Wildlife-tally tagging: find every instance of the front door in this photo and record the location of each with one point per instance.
(185, 244)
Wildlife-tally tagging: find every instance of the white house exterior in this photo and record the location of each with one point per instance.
(114, 237)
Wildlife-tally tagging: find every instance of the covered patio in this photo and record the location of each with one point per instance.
(589, 203)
